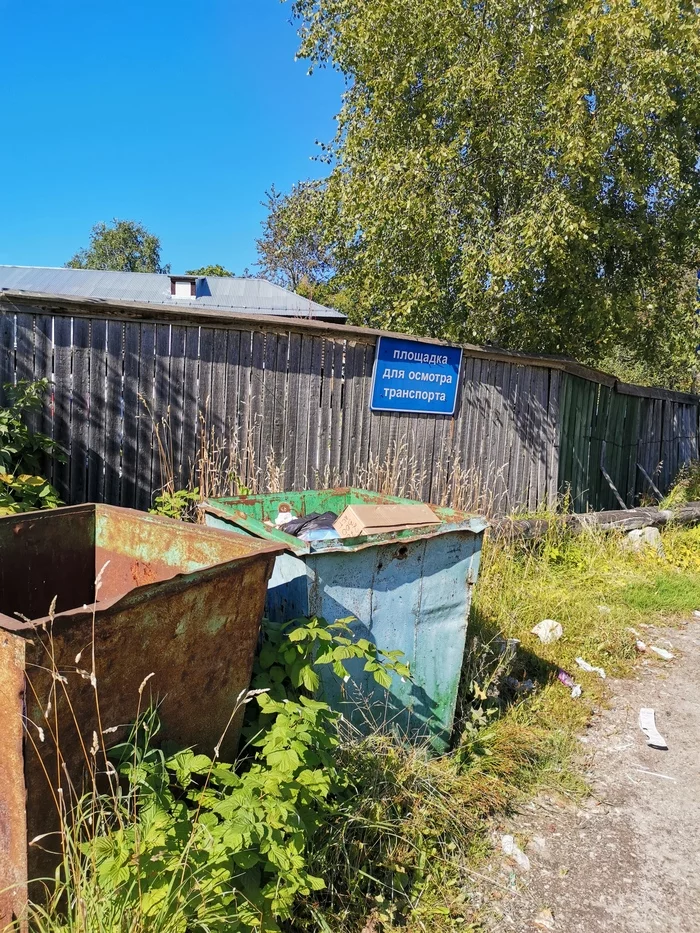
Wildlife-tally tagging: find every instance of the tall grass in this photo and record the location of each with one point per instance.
(229, 465)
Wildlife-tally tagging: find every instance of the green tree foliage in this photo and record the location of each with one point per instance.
(210, 270)
(125, 246)
(22, 451)
(292, 250)
(522, 174)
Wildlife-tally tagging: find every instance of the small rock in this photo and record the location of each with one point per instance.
(513, 850)
(642, 538)
(545, 919)
(537, 844)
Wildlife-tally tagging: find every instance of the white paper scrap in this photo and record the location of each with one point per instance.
(662, 653)
(647, 723)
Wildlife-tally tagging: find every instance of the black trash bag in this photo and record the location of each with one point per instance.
(316, 521)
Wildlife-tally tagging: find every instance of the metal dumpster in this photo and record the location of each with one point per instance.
(408, 590)
(180, 602)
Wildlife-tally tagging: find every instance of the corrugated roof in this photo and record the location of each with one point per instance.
(253, 296)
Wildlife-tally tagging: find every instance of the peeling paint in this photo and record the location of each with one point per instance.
(181, 602)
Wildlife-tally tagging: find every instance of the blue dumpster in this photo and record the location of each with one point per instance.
(409, 590)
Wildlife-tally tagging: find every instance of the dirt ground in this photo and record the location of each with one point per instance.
(627, 860)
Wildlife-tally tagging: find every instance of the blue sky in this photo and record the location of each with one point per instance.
(179, 114)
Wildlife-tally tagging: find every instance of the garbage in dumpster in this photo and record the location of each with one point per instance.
(313, 527)
(359, 520)
(647, 723)
(547, 631)
(284, 515)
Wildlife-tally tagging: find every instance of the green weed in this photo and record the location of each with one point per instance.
(22, 452)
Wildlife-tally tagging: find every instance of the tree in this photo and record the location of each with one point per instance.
(126, 246)
(210, 270)
(522, 174)
(292, 251)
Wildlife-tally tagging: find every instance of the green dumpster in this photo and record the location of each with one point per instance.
(409, 590)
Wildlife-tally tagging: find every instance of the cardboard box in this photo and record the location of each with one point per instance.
(359, 520)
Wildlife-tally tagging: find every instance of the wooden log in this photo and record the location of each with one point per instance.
(609, 520)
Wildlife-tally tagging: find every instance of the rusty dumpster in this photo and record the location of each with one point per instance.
(175, 604)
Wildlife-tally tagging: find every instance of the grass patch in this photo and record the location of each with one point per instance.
(667, 592)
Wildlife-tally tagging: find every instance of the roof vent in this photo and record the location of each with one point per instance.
(183, 286)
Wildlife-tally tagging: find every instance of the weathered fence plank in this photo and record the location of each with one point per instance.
(295, 396)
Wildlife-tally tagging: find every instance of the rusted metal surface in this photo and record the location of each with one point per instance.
(13, 827)
(180, 602)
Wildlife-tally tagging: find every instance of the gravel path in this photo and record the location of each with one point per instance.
(628, 859)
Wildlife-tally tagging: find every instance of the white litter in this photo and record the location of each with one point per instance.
(662, 653)
(513, 850)
(647, 723)
(666, 777)
(604, 610)
(696, 613)
(576, 692)
(548, 631)
(641, 645)
(585, 666)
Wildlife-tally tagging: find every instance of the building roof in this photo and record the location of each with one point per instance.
(216, 293)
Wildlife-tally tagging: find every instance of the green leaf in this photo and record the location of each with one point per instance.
(382, 678)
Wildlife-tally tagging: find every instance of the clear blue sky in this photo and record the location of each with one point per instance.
(179, 114)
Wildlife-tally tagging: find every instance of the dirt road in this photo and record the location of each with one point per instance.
(628, 859)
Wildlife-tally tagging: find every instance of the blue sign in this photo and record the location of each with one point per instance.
(417, 377)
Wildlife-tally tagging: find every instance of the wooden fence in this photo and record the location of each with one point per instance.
(293, 395)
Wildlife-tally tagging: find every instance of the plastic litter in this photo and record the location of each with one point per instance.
(520, 686)
(513, 850)
(314, 522)
(548, 631)
(569, 681)
(647, 723)
(666, 777)
(640, 645)
(585, 666)
(662, 653)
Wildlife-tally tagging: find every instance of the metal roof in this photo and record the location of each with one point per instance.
(253, 296)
